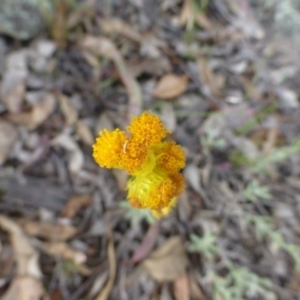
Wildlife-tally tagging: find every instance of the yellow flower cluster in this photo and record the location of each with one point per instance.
(153, 162)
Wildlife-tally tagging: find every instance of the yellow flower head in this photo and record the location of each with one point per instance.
(147, 129)
(170, 157)
(154, 163)
(107, 150)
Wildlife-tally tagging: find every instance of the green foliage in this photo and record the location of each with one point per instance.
(263, 162)
(264, 229)
(58, 19)
(237, 158)
(276, 156)
(293, 250)
(69, 268)
(254, 191)
(257, 118)
(205, 244)
(136, 215)
(238, 283)
(262, 225)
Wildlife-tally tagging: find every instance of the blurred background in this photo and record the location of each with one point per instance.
(223, 76)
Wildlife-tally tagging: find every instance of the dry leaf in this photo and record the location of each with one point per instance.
(65, 251)
(181, 287)
(26, 256)
(76, 158)
(189, 15)
(153, 66)
(68, 110)
(48, 230)
(97, 285)
(12, 88)
(151, 45)
(195, 289)
(192, 174)
(13, 98)
(8, 137)
(84, 132)
(105, 292)
(40, 111)
(271, 140)
(104, 47)
(73, 206)
(27, 285)
(171, 86)
(25, 288)
(112, 26)
(148, 242)
(213, 82)
(167, 262)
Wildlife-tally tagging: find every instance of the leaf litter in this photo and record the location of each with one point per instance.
(219, 75)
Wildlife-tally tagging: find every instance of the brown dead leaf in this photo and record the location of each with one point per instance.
(189, 15)
(117, 26)
(65, 251)
(8, 137)
(47, 230)
(69, 111)
(25, 288)
(40, 111)
(14, 97)
(27, 284)
(196, 292)
(84, 132)
(181, 287)
(271, 140)
(153, 66)
(73, 206)
(26, 256)
(214, 82)
(171, 86)
(105, 292)
(104, 47)
(168, 262)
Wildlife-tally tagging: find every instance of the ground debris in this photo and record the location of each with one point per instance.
(223, 77)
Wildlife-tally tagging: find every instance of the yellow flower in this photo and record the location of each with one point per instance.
(170, 157)
(147, 129)
(107, 150)
(155, 190)
(153, 163)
